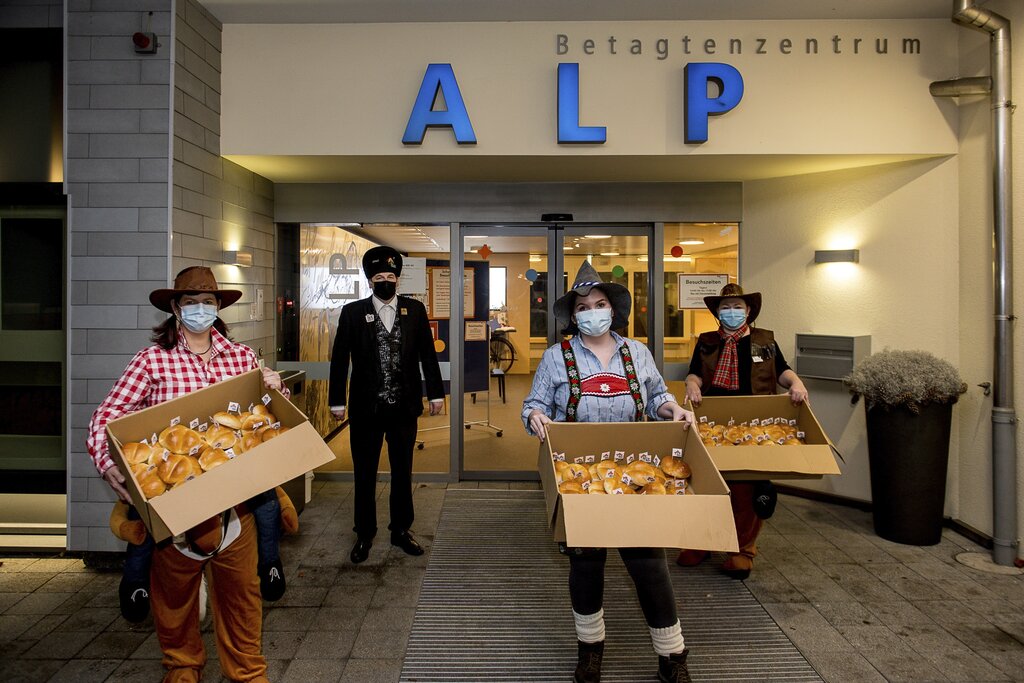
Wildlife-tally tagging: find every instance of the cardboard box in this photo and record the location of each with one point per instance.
(289, 455)
(701, 522)
(811, 461)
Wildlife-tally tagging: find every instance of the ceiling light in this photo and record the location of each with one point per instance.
(567, 247)
(536, 259)
(609, 253)
(691, 240)
(597, 237)
(680, 259)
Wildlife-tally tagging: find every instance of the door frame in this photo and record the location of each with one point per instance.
(556, 233)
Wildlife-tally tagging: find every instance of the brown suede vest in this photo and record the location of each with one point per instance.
(762, 375)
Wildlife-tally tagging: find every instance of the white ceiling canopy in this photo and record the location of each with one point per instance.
(413, 11)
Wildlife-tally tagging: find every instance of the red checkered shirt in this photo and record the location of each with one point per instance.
(156, 375)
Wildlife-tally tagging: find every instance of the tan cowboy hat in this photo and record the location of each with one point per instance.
(194, 280)
(586, 279)
(734, 291)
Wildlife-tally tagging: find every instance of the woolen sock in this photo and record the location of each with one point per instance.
(590, 627)
(667, 641)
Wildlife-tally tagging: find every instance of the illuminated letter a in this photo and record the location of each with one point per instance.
(439, 80)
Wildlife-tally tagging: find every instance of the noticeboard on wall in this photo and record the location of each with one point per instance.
(693, 287)
(439, 294)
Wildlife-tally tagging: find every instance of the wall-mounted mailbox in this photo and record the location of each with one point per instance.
(822, 356)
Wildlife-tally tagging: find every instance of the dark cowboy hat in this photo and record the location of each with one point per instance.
(194, 280)
(734, 291)
(586, 279)
(382, 260)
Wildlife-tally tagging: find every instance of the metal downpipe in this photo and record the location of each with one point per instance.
(1004, 419)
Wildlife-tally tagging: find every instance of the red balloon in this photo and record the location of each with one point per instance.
(677, 251)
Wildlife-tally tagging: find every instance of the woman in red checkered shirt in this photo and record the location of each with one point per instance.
(191, 350)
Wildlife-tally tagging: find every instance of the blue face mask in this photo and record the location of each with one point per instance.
(594, 322)
(732, 318)
(198, 318)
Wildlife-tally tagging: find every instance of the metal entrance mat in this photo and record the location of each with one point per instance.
(495, 607)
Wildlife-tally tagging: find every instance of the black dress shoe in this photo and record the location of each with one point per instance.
(405, 541)
(134, 600)
(361, 550)
(272, 583)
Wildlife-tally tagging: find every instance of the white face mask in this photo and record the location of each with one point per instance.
(594, 322)
(198, 318)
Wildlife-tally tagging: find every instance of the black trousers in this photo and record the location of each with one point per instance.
(647, 568)
(367, 435)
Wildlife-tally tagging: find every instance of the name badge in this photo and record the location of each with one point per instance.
(404, 311)
(370, 317)
(758, 359)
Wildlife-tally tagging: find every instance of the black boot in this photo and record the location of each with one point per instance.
(672, 669)
(588, 666)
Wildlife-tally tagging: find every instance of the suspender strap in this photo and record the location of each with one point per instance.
(573, 372)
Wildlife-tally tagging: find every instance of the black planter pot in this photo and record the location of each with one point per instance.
(909, 455)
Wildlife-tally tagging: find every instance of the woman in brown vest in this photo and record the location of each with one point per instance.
(739, 360)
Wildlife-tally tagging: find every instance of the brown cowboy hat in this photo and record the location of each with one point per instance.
(734, 291)
(193, 280)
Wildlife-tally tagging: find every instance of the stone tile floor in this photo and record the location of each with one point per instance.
(859, 608)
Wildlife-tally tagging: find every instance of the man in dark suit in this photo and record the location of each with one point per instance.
(386, 337)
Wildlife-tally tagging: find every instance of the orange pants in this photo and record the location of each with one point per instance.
(237, 609)
(748, 524)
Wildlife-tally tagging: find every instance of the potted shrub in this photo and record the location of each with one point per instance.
(908, 401)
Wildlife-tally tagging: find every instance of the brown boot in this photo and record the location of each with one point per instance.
(738, 566)
(588, 665)
(672, 669)
(691, 558)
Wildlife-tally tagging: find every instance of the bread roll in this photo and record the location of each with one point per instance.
(220, 437)
(709, 442)
(775, 432)
(733, 434)
(655, 488)
(150, 483)
(607, 469)
(251, 421)
(227, 419)
(615, 486)
(794, 442)
(137, 452)
(174, 469)
(561, 471)
(269, 434)
(676, 487)
(704, 429)
(212, 457)
(597, 489)
(641, 472)
(571, 486)
(249, 441)
(595, 475)
(577, 471)
(675, 467)
(260, 409)
(180, 439)
(767, 442)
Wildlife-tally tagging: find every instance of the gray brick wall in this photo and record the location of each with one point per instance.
(217, 203)
(117, 160)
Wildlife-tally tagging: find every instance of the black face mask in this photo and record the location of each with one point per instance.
(385, 289)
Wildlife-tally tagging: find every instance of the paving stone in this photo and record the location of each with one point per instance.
(87, 670)
(13, 625)
(16, 564)
(808, 630)
(396, 596)
(376, 644)
(948, 612)
(113, 645)
(29, 671)
(282, 644)
(360, 596)
(372, 671)
(138, 671)
(302, 596)
(9, 599)
(398, 618)
(93, 619)
(844, 666)
(305, 670)
(1010, 663)
(859, 582)
(24, 581)
(338, 618)
(289, 618)
(313, 576)
(327, 645)
(39, 603)
(43, 627)
(60, 645)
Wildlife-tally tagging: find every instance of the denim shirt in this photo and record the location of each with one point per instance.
(550, 391)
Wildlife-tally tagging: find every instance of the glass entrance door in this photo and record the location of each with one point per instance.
(512, 276)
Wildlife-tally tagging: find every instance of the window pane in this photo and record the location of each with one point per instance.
(31, 273)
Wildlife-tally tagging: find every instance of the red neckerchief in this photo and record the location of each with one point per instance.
(727, 372)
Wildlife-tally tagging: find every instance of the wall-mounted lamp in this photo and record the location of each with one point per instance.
(238, 257)
(837, 256)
